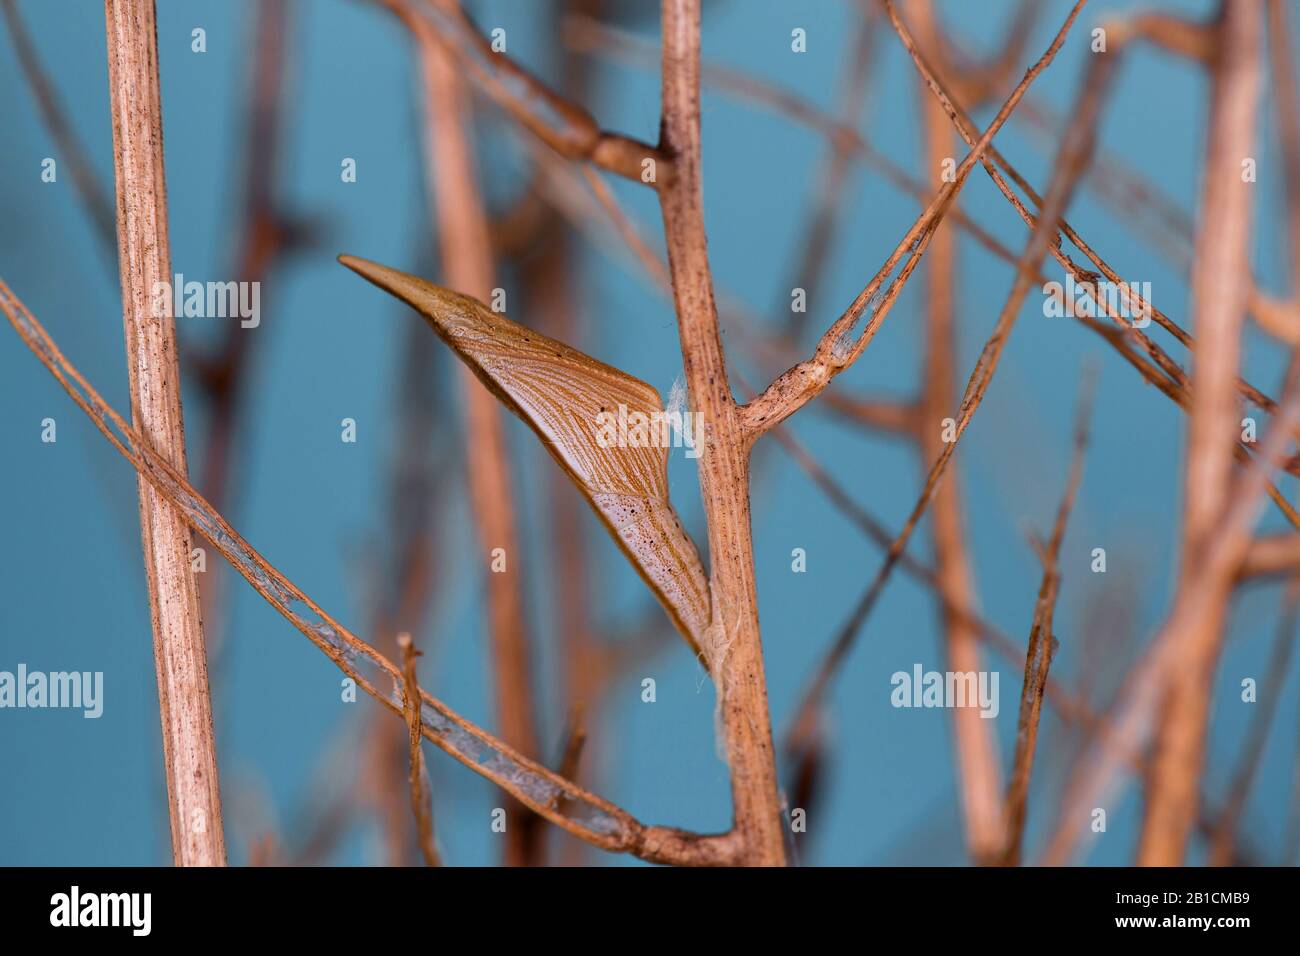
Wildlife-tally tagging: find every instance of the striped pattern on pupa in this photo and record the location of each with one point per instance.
(559, 392)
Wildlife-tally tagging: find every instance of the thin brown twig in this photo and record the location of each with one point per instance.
(180, 658)
(421, 801)
(980, 80)
(575, 740)
(1190, 39)
(876, 532)
(563, 125)
(1042, 644)
(402, 584)
(653, 264)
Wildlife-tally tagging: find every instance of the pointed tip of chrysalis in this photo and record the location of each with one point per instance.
(382, 276)
(433, 301)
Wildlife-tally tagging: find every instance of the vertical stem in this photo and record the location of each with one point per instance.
(1220, 282)
(978, 774)
(736, 650)
(467, 263)
(180, 659)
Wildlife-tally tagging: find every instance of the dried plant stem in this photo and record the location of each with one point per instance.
(575, 740)
(979, 774)
(1219, 292)
(902, 418)
(735, 654)
(1042, 646)
(403, 585)
(189, 748)
(564, 126)
(467, 263)
(421, 801)
(1174, 389)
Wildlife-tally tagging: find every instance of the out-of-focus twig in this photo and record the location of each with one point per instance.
(93, 198)
(1219, 292)
(1042, 645)
(563, 125)
(1270, 555)
(421, 801)
(978, 770)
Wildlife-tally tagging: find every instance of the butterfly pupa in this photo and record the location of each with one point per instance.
(559, 392)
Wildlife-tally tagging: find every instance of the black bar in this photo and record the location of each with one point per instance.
(487, 905)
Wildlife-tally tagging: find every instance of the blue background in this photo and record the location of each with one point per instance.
(71, 588)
